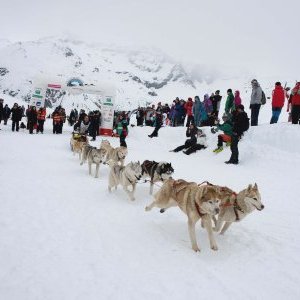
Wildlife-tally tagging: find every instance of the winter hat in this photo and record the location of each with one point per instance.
(278, 83)
(229, 91)
(241, 106)
(190, 99)
(217, 92)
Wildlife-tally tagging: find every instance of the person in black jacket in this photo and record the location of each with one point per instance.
(32, 119)
(191, 132)
(157, 123)
(16, 116)
(240, 125)
(1, 109)
(6, 114)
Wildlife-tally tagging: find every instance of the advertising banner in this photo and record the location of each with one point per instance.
(38, 98)
(107, 116)
(54, 95)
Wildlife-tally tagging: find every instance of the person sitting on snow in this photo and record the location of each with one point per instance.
(226, 127)
(196, 141)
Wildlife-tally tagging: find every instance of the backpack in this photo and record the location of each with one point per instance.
(263, 98)
(246, 123)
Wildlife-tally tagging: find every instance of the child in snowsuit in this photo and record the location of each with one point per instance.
(226, 127)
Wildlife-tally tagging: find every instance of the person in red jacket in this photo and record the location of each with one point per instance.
(188, 106)
(41, 117)
(295, 101)
(278, 96)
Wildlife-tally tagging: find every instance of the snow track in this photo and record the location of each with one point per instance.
(63, 236)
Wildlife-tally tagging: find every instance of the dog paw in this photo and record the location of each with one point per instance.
(147, 208)
(196, 248)
(214, 247)
(162, 210)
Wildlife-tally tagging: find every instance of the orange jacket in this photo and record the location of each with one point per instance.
(56, 118)
(41, 114)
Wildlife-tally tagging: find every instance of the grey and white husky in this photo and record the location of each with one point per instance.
(84, 153)
(96, 156)
(125, 176)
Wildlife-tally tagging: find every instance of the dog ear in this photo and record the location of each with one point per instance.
(255, 186)
(249, 187)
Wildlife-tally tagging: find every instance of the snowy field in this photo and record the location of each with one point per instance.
(63, 236)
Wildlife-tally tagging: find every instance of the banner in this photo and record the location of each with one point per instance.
(107, 116)
(54, 95)
(38, 98)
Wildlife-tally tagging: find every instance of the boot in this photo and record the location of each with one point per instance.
(218, 150)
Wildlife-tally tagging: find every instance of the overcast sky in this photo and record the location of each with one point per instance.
(261, 35)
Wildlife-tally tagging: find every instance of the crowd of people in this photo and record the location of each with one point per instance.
(192, 113)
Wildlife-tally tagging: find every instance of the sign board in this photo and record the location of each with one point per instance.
(54, 95)
(107, 116)
(38, 98)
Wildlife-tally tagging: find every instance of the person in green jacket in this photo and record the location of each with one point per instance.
(229, 104)
(226, 127)
(122, 121)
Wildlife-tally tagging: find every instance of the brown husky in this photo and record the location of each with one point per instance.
(197, 202)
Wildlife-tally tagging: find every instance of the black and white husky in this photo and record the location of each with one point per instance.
(157, 171)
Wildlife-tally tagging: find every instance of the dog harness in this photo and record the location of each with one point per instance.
(236, 207)
(198, 210)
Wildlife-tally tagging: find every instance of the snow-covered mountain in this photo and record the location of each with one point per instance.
(141, 76)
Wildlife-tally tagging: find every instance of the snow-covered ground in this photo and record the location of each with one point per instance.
(63, 236)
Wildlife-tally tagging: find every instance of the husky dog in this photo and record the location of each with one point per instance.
(85, 151)
(125, 176)
(95, 156)
(197, 202)
(78, 146)
(157, 171)
(104, 143)
(235, 207)
(76, 137)
(116, 155)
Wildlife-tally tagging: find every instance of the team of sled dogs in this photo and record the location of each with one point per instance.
(212, 204)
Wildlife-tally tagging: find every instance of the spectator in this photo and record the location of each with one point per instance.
(237, 99)
(191, 133)
(16, 116)
(216, 102)
(123, 136)
(229, 104)
(41, 117)
(240, 125)
(6, 114)
(1, 110)
(226, 127)
(295, 102)
(255, 102)
(189, 111)
(196, 111)
(278, 96)
(32, 119)
(157, 123)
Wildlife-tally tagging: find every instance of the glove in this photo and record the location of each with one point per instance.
(213, 130)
